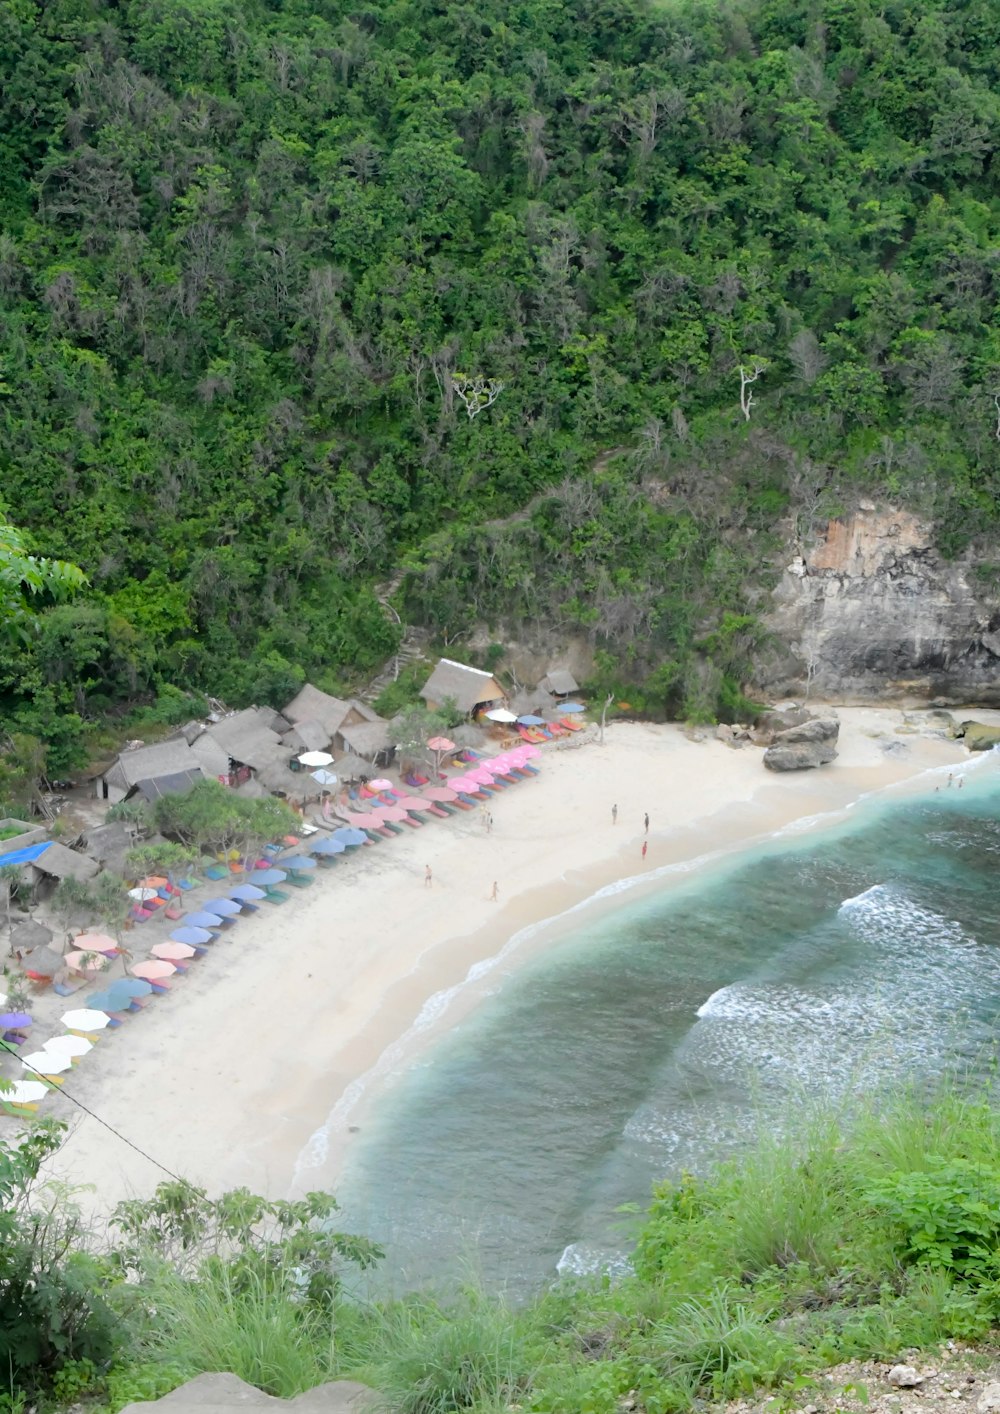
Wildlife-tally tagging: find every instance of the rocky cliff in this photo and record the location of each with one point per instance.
(875, 612)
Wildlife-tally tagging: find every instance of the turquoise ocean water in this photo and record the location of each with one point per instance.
(660, 1037)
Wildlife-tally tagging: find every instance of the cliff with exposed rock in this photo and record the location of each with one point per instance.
(876, 612)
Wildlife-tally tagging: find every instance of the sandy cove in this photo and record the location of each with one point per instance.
(228, 1077)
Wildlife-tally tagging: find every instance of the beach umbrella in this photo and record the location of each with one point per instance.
(349, 836)
(108, 1001)
(299, 861)
(246, 893)
(325, 778)
(96, 942)
(24, 1092)
(86, 961)
(439, 793)
(153, 881)
(570, 707)
(501, 714)
(85, 1019)
(128, 987)
(29, 935)
(326, 846)
(530, 720)
(72, 1046)
(381, 783)
(393, 812)
(224, 907)
(480, 775)
(42, 962)
(316, 758)
(202, 920)
(46, 1062)
(172, 952)
(141, 894)
(463, 783)
(193, 937)
(413, 802)
(268, 877)
(14, 1020)
(528, 750)
(441, 743)
(154, 971)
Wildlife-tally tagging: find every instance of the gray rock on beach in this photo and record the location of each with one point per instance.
(803, 747)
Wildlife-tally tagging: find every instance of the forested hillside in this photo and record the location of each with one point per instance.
(248, 249)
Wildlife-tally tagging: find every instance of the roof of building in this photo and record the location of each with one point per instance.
(367, 738)
(145, 763)
(61, 863)
(245, 738)
(560, 681)
(466, 687)
(177, 783)
(309, 735)
(311, 705)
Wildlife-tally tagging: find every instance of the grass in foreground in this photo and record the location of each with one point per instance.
(842, 1243)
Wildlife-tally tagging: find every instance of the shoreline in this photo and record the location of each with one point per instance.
(300, 1015)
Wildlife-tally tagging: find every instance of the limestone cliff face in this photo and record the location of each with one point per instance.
(875, 612)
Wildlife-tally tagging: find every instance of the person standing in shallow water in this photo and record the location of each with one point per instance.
(645, 846)
(614, 814)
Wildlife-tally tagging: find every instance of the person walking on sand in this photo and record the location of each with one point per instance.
(646, 821)
(645, 846)
(614, 814)
(489, 822)
(495, 894)
(428, 876)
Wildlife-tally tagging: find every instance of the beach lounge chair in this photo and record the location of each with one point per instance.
(217, 871)
(572, 726)
(188, 884)
(299, 881)
(277, 896)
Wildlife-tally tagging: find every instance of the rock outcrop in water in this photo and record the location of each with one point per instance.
(978, 736)
(876, 612)
(802, 747)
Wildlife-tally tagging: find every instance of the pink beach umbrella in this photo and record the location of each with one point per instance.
(154, 971)
(413, 802)
(172, 952)
(365, 819)
(439, 793)
(441, 743)
(95, 942)
(380, 784)
(86, 961)
(393, 812)
(481, 775)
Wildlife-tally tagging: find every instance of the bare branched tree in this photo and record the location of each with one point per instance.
(476, 393)
(746, 391)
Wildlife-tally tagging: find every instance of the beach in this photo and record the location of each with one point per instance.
(305, 1010)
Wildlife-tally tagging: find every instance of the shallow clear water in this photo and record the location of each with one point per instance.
(659, 1039)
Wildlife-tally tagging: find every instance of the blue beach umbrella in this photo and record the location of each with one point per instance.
(530, 721)
(246, 892)
(572, 707)
(225, 907)
(129, 987)
(326, 846)
(194, 937)
(349, 836)
(269, 876)
(299, 861)
(107, 1001)
(201, 920)
(14, 1020)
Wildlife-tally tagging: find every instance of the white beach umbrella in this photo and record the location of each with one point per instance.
(46, 1063)
(85, 1019)
(316, 758)
(325, 778)
(24, 1092)
(72, 1046)
(141, 895)
(500, 714)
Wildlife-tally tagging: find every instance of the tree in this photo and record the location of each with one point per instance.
(26, 579)
(476, 393)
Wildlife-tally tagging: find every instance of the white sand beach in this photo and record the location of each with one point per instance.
(227, 1078)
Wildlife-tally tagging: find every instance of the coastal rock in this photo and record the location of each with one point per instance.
(978, 736)
(227, 1394)
(874, 611)
(777, 719)
(801, 748)
(904, 1377)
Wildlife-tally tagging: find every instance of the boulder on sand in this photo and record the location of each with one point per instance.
(802, 747)
(978, 736)
(776, 720)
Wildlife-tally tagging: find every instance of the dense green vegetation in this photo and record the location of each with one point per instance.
(856, 1239)
(249, 253)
